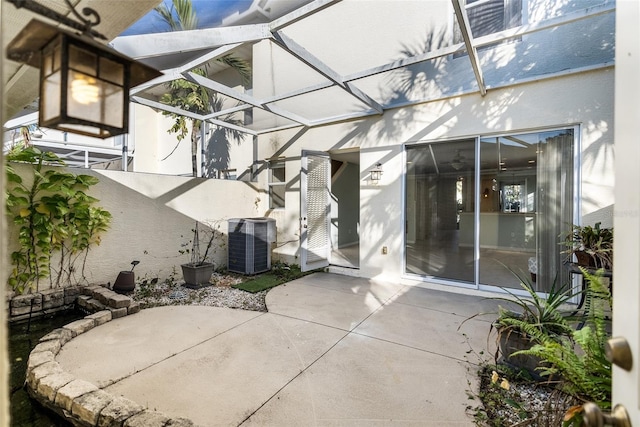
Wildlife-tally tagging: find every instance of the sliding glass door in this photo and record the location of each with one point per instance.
(526, 184)
(507, 220)
(440, 189)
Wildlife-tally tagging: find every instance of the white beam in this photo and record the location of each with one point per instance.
(403, 104)
(225, 90)
(181, 112)
(219, 87)
(465, 29)
(159, 44)
(228, 111)
(298, 92)
(278, 129)
(344, 81)
(214, 54)
(167, 77)
(176, 73)
(167, 108)
(428, 56)
(306, 57)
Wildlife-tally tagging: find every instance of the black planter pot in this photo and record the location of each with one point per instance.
(197, 276)
(125, 282)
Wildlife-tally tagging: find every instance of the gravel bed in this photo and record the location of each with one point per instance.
(523, 403)
(219, 294)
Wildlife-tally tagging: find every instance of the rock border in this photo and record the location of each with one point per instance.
(78, 401)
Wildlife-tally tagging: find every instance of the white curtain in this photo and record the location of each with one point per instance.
(554, 215)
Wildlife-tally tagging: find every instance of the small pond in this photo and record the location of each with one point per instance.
(23, 337)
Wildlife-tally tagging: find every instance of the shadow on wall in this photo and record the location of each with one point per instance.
(153, 216)
(217, 153)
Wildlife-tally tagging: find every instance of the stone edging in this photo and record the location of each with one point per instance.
(80, 402)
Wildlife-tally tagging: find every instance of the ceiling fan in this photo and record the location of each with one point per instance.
(458, 161)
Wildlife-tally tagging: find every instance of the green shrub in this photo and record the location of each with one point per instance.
(54, 215)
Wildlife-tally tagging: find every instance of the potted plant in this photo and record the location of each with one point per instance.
(197, 272)
(529, 320)
(592, 246)
(534, 319)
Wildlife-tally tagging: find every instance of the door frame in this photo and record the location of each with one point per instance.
(626, 220)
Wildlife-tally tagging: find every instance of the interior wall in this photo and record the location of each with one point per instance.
(346, 192)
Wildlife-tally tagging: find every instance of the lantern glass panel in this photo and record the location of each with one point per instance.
(56, 57)
(50, 96)
(84, 92)
(112, 71)
(82, 60)
(95, 100)
(51, 57)
(113, 114)
(47, 63)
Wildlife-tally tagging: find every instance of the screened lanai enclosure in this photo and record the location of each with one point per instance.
(475, 110)
(318, 65)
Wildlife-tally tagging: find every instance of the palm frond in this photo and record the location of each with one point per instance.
(185, 17)
(167, 16)
(240, 65)
(186, 14)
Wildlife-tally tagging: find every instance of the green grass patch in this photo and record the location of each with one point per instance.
(260, 283)
(280, 273)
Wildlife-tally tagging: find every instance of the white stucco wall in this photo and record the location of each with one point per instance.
(153, 215)
(152, 143)
(583, 99)
(361, 34)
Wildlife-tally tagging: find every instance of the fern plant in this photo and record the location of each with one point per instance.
(579, 359)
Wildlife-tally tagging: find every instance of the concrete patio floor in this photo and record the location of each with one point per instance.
(332, 350)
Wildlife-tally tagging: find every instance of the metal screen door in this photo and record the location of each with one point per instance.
(315, 210)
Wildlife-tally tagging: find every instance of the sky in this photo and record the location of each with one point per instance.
(210, 13)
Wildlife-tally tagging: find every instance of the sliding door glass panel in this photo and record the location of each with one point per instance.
(440, 194)
(526, 200)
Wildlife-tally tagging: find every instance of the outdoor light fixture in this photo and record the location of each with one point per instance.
(84, 85)
(376, 172)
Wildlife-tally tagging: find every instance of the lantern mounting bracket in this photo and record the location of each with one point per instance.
(85, 25)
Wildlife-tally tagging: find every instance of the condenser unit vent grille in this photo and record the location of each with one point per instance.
(250, 244)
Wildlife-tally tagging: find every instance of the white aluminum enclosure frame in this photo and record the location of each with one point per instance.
(221, 41)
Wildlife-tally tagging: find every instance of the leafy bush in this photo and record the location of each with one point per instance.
(54, 215)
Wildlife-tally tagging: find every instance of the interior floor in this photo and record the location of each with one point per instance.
(348, 256)
(444, 258)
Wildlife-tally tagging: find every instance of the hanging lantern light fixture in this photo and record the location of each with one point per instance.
(84, 85)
